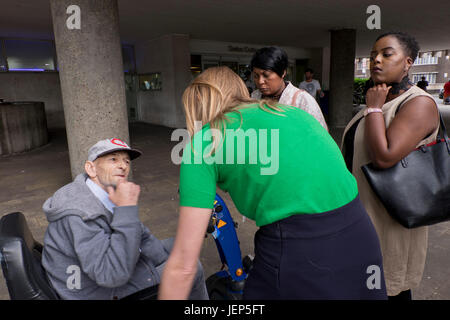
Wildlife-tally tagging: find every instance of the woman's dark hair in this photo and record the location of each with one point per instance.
(409, 43)
(270, 58)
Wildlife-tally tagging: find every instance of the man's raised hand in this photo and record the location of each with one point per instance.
(125, 194)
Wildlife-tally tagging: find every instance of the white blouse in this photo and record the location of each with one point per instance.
(303, 100)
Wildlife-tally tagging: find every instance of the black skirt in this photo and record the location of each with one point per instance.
(331, 255)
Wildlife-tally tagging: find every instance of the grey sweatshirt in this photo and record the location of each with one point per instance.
(90, 253)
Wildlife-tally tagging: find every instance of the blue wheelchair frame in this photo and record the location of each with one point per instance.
(229, 281)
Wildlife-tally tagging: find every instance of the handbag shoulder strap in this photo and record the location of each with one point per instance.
(442, 128)
(348, 144)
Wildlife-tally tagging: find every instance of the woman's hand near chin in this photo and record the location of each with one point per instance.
(376, 96)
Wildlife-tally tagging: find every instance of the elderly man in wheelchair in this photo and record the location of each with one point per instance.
(95, 246)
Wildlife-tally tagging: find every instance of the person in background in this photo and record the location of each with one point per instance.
(312, 86)
(249, 81)
(447, 92)
(422, 84)
(269, 66)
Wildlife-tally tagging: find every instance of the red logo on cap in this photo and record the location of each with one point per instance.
(119, 142)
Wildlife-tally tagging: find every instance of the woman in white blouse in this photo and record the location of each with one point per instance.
(269, 65)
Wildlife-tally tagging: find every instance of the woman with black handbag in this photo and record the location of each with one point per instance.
(399, 118)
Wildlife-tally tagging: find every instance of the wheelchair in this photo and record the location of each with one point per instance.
(20, 256)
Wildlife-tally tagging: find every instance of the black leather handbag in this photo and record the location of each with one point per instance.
(416, 190)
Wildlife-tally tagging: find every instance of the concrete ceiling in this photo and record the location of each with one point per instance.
(296, 23)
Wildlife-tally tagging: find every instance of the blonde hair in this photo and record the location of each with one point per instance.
(215, 92)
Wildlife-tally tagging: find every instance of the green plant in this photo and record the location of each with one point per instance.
(358, 91)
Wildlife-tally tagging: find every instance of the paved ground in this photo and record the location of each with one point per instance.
(28, 179)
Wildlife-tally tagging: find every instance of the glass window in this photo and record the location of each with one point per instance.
(29, 55)
(129, 64)
(244, 71)
(289, 73)
(430, 77)
(150, 81)
(231, 64)
(433, 78)
(209, 64)
(2, 58)
(426, 59)
(196, 64)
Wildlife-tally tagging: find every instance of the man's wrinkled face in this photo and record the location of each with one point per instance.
(111, 168)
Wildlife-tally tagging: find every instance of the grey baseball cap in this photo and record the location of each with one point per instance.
(106, 146)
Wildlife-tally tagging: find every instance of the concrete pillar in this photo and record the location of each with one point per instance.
(325, 68)
(182, 76)
(343, 45)
(91, 75)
